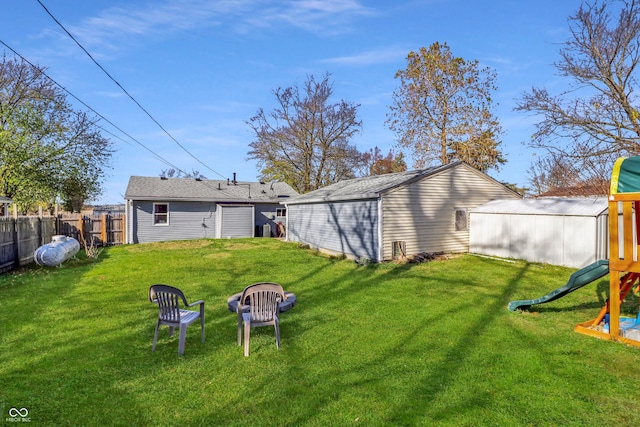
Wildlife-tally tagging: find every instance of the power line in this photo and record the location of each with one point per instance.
(124, 90)
(157, 156)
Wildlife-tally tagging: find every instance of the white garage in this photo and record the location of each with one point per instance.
(562, 231)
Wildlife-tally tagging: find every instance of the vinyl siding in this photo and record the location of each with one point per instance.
(422, 213)
(350, 228)
(266, 214)
(187, 220)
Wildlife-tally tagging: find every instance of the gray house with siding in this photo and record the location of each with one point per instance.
(160, 209)
(386, 216)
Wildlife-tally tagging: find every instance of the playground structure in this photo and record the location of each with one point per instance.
(623, 266)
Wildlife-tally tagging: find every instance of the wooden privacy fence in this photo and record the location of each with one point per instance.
(97, 230)
(20, 237)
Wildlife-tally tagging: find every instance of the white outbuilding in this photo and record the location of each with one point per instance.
(562, 231)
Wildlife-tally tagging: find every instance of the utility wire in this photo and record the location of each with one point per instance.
(125, 91)
(157, 156)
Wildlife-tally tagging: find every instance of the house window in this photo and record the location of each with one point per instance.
(399, 249)
(281, 212)
(160, 214)
(461, 220)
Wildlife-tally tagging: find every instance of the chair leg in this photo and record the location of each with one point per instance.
(247, 331)
(183, 335)
(239, 330)
(277, 327)
(155, 337)
(202, 319)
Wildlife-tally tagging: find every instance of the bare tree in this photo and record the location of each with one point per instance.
(442, 110)
(305, 141)
(558, 174)
(177, 173)
(596, 118)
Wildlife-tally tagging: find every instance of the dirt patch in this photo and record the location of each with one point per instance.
(426, 257)
(241, 246)
(170, 245)
(218, 255)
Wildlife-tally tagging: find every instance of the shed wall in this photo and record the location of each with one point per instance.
(350, 228)
(572, 241)
(422, 214)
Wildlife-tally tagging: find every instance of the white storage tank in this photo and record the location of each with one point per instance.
(58, 251)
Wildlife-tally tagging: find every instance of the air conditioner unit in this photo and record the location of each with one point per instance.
(266, 230)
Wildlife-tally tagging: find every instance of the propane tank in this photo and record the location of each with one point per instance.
(58, 251)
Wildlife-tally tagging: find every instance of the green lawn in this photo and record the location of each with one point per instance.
(384, 344)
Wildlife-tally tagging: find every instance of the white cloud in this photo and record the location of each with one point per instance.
(376, 56)
(108, 29)
(324, 17)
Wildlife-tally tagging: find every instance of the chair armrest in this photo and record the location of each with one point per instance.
(201, 304)
(196, 303)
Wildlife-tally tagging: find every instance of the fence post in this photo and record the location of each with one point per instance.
(103, 230)
(16, 241)
(85, 220)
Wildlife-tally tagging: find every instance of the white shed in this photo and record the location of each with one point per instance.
(562, 231)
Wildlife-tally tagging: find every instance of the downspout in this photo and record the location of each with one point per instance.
(128, 218)
(286, 224)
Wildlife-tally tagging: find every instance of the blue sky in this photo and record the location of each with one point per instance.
(202, 68)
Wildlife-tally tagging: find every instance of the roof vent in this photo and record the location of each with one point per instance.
(164, 178)
(198, 179)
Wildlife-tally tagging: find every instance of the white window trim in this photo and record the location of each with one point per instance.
(156, 224)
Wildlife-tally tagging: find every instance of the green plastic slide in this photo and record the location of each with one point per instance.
(582, 277)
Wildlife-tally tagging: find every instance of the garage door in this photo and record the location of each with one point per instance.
(236, 221)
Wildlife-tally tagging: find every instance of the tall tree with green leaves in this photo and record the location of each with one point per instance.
(306, 140)
(48, 151)
(596, 117)
(442, 110)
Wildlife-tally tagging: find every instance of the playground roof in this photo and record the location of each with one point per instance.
(564, 206)
(626, 175)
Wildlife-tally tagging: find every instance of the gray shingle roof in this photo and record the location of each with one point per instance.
(190, 189)
(368, 187)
